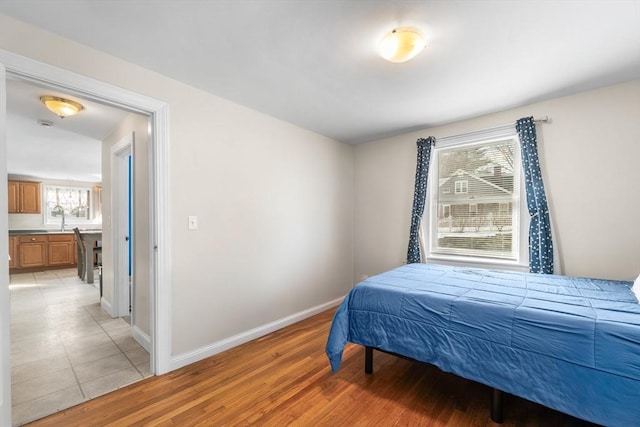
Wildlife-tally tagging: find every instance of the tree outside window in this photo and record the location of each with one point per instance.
(71, 203)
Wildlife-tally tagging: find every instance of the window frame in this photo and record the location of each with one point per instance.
(461, 181)
(50, 220)
(519, 260)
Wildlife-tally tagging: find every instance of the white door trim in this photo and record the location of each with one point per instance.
(5, 318)
(44, 74)
(119, 210)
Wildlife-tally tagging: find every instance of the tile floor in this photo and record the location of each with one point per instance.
(65, 349)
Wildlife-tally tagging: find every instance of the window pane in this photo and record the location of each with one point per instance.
(72, 202)
(476, 218)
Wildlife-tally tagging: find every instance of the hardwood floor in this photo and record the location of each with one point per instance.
(284, 379)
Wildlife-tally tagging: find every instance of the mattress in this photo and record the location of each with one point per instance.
(572, 344)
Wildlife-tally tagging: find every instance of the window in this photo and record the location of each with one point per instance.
(480, 220)
(72, 203)
(461, 187)
(445, 211)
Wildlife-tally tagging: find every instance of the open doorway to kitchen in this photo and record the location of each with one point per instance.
(68, 346)
(45, 76)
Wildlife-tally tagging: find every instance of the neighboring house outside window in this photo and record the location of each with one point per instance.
(479, 220)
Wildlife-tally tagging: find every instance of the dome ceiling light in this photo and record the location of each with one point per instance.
(401, 44)
(61, 107)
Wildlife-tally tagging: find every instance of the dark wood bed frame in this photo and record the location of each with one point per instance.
(496, 396)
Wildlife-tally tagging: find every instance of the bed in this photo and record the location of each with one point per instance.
(571, 344)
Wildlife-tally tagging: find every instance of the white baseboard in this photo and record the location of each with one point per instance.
(218, 347)
(141, 338)
(106, 306)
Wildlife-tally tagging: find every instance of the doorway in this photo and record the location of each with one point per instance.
(65, 348)
(159, 266)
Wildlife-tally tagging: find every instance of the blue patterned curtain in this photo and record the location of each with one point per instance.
(540, 244)
(419, 197)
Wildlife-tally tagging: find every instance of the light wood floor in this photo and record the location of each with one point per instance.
(284, 379)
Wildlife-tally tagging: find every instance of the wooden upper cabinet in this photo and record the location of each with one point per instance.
(30, 195)
(24, 197)
(14, 192)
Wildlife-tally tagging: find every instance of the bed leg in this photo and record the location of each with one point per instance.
(368, 360)
(496, 406)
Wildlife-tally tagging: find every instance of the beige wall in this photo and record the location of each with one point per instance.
(277, 204)
(589, 156)
(138, 125)
(274, 201)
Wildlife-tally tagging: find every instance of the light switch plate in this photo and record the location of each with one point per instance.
(193, 222)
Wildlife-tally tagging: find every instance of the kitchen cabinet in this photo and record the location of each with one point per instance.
(13, 251)
(14, 191)
(32, 251)
(61, 250)
(24, 197)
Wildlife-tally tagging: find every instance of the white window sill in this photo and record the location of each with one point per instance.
(500, 264)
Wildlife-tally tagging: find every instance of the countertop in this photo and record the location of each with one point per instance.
(42, 231)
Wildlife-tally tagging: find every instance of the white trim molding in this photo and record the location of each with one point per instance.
(106, 306)
(141, 338)
(243, 337)
(5, 309)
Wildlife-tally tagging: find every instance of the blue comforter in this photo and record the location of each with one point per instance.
(572, 344)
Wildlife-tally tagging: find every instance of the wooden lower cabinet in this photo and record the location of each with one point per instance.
(42, 251)
(32, 251)
(61, 250)
(13, 251)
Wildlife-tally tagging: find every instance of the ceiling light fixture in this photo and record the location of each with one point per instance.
(401, 44)
(61, 107)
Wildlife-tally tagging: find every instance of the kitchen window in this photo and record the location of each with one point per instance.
(69, 204)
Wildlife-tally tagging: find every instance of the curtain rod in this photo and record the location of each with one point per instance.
(545, 119)
(506, 126)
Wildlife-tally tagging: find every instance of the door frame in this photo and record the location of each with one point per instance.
(5, 317)
(120, 209)
(47, 75)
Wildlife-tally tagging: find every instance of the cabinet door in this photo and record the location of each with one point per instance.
(13, 252)
(61, 250)
(13, 196)
(29, 197)
(60, 253)
(33, 254)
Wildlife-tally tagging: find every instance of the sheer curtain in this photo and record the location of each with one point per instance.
(419, 197)
(540, 242)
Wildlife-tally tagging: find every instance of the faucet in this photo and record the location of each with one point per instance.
(61, 210)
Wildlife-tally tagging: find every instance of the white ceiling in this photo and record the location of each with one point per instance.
(70, 149)
(313, 63)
